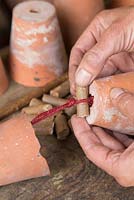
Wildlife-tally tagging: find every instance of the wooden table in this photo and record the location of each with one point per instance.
(73, 177)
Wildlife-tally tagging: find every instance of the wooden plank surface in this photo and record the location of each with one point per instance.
(73, 178)
(17, 96)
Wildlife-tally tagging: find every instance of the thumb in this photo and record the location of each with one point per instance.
(124, 102)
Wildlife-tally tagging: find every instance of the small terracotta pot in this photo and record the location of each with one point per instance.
(74, 16)
(37, 53)
(19, 152)
(103, 113)
(118, 3)
(3, 78)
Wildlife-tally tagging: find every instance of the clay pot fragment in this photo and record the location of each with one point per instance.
(37, 53)
(20, 158)
(103, 113)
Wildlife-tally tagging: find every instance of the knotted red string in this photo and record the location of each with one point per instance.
(71, 102)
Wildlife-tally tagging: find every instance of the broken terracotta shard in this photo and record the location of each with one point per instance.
(37, 53)
(20, 158)
(61, 90)
(35, 102)
(103, 113)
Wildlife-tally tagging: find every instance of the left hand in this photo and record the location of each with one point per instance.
(112, 153)
(105, 47)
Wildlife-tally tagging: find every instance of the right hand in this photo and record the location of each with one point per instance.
(114, 153)
(105, 47)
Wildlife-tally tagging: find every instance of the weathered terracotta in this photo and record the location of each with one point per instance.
(103, 113)
(118, 3)
(37, 53)
(19, 152)
(3, 78)
(75, 16)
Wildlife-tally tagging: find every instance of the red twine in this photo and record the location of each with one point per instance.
(71, 102)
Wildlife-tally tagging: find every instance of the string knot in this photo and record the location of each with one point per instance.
(71, 102)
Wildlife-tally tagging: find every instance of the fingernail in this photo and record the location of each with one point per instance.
(116, 92)
(83, 77)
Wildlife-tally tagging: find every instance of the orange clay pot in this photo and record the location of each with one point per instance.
(19, 152)
(37, 53)
(75, 16)
(103, 113)
(118, 3)
(3, 78)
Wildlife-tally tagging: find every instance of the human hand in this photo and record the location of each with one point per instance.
(113, 152)
(105, 47)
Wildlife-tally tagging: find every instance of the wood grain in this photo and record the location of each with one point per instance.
(73, 178)
(18, 96)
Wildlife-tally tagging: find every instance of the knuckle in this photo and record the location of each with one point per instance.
(112, 35)
(116, 25)
(102, 14)
(98, 20)
(93, 57)
(114, 29)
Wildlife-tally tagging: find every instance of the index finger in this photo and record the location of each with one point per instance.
(85, 42)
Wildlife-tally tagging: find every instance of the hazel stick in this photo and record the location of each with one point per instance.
(31, 110)
(61, 126)
(82, 108)
(55, 101)
(35, 102)
(61, 90)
